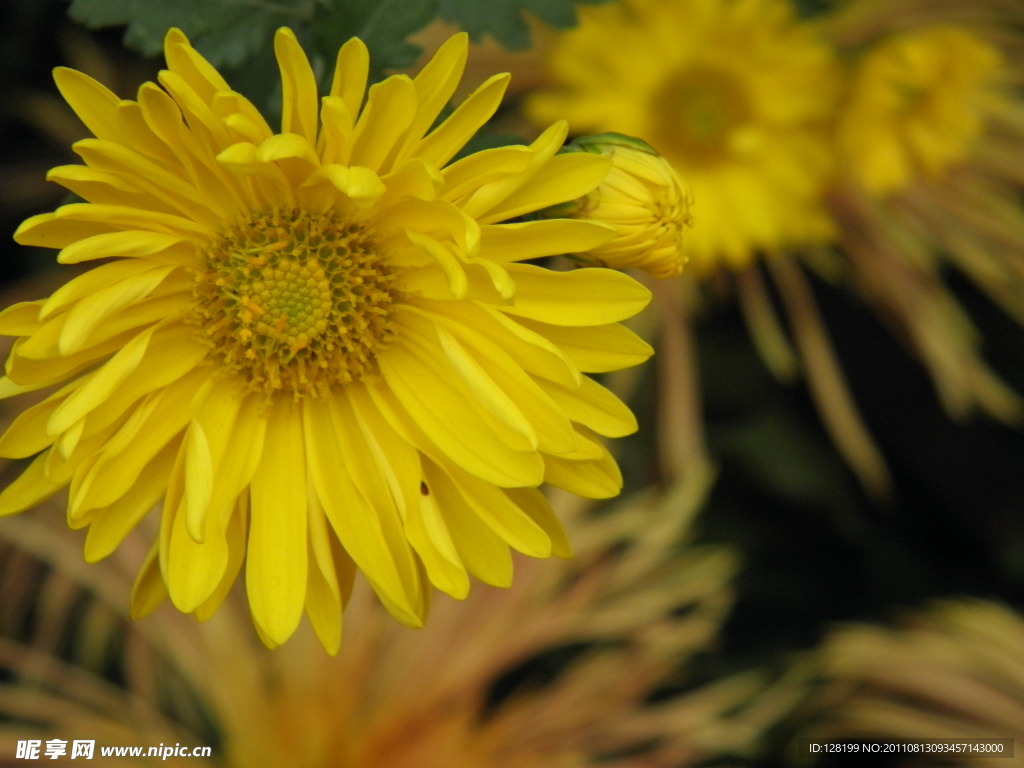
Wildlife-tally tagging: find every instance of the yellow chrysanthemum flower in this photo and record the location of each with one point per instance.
(644, 198)
(916, 105)
(735, 94)
(318, 348)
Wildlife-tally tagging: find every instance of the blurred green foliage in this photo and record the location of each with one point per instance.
(235, 35)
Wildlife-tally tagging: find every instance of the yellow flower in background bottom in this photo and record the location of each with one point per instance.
(646, 200)
(916, 105)
(952, 671)
(316, 347)
(639, 606)
(734, 93)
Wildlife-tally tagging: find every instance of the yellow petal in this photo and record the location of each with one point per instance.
(480, 170)
(595, 407)
(160, 419)
(92, 102)
(453, 270)
(101, 384)
(495, 368)
(370, 529)
(360, 185)
(483, 553)
(335, 142)
(149, 590)
(110, 525)
(298, 87)
(9, 389)
(21, 319)
(428, 533)
(447, 139)
(135, 244)
(390, 108)
(244, 159)
(209, 440)
(23, 370)
(236, 430)
(492, 194)
(28, 489)
(235, 540)
(102, 187)
(287, 146)
(582, 297)
(456, 432)
(437, 81)
(88, 313)
(533, 239)
(559, 180)
(277, 559)
(206, 128)
(323, 593)
(155, 187)
(504, 517)
(598, 348)
(534, 353)
(599, 479)
(239, 114)
(183, 59)
(199, 479)
(535, 504)
(92, 281)
(136, 133)
(413, 179)
(108, 218)
(192, 569)
(48, 230)
(485, 390)
(350, 73)
(174, 354)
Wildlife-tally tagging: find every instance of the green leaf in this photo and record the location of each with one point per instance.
(810, 8)
(236, 35)
(383, 25)
(226, 32)
(504, 19)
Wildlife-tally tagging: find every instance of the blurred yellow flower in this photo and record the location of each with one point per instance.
(471, 690)
(953, 671)
(735, 93)
(916, 105)
(931, 131)
(317, 347)
(644, 198)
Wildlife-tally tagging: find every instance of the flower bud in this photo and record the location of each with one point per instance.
(644, 198)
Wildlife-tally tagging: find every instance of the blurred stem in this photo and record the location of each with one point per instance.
(681, 446)
(825, 378)
(764, 326)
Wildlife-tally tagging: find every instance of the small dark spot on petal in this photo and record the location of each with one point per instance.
(424, 489)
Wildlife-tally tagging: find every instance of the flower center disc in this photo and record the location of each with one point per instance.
(294, 301)
(701, 107)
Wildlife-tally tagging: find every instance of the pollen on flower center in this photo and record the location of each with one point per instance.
(294, 301)
(701, 108)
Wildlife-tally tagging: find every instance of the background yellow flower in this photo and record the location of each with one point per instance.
(952, 671)
(926, 131)
(554, 671)
(735, 93)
